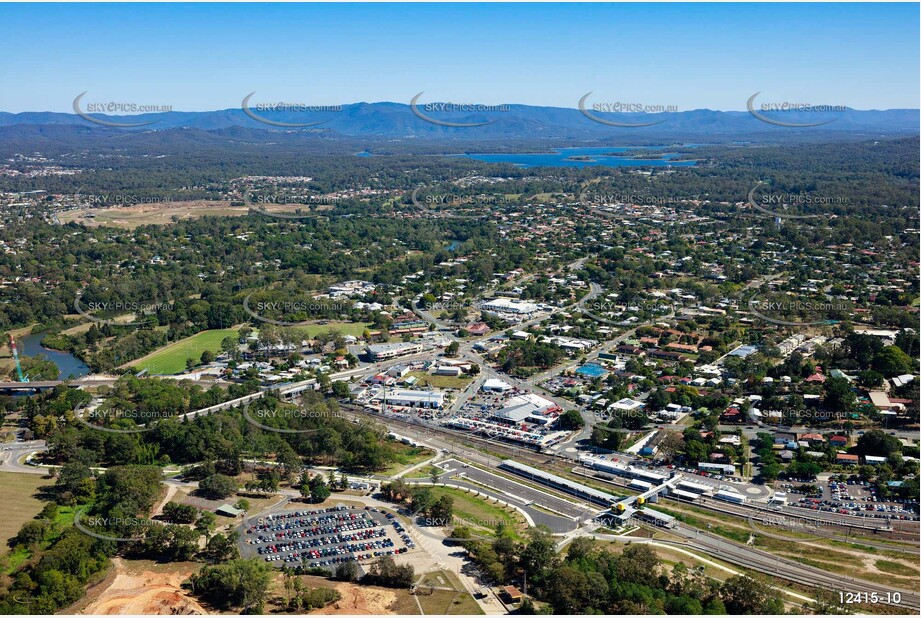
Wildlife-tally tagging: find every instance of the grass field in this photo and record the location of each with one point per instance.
(17, 495)
(346, 328)
(427, 379)
(406, 457)
(896, 568)
(423, 473)
(171, 358)
(474, 510)
(449, 598)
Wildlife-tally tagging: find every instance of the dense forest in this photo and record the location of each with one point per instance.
(324, 436)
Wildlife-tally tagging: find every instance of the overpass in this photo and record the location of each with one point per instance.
(38, 385)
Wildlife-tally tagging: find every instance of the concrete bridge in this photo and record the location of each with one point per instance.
(39, 385)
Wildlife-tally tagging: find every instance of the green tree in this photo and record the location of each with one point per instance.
(839, 396)
(217, 486)
(891, 361)
(422, 499)
(237, 584)
(347, 571)
(319, 491)
(744, 595)
(341, 389)
(31, 533)
(206, 523)
(443, 510)
(878, 442)
(570, 420)
(221, 547)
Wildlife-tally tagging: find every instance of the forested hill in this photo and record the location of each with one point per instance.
(514, 122)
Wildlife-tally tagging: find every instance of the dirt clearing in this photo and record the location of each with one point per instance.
(360, 600)
(144, 587)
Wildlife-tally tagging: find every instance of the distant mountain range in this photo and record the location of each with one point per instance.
(397, 121)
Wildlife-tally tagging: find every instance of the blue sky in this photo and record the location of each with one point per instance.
(199, 57)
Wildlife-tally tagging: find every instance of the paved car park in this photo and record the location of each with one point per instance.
(325, 537)
(855, 497)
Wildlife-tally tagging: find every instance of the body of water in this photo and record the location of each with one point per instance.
(582, 157)
(68, 365)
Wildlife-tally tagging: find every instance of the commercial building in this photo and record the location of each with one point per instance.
(847, 459)
(627, 405)
(229, 511)
(411, 398)
(508, 305)
(496, 385)
(383, 351)
(527, 406)
(716, 467)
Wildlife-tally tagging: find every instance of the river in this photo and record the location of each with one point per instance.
(68, 365)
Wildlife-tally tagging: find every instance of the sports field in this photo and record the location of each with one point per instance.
(171, 358)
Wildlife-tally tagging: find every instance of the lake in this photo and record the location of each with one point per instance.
(563, 157)
(68, 365)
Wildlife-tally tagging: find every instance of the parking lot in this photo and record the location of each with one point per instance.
(852, 497)
(325, 537)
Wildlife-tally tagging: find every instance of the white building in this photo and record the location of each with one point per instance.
(526, 406)
(496, 385)
(508, 305)
(411, 398)
(383, 351)
(627, 404)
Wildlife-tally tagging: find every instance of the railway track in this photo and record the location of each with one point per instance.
(790, 570)
(907, 532)
(902, 531)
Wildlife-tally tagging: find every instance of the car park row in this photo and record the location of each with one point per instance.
(326, 537)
